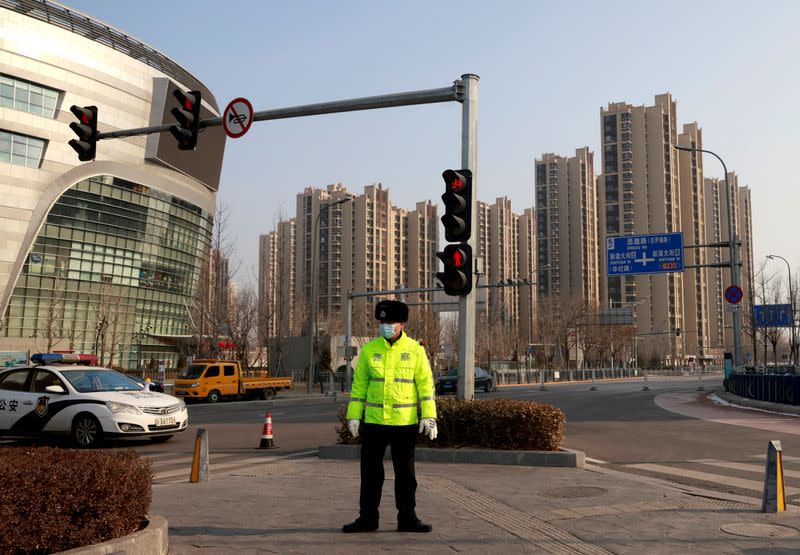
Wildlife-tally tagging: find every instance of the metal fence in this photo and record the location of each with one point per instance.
(766, 387)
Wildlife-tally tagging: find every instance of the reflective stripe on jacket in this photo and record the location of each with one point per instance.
(390, 381)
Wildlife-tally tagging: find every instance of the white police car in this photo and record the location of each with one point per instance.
(58, 396)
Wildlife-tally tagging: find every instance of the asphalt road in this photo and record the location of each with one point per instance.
(618, 425)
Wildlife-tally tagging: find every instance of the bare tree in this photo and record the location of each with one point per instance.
(451, 337)
(425, 326)
(208, 313)
(488, 342)
(775, 334)
(110, 317)
(762, 293)
(53, 327)
(559, 324)
(242, 324)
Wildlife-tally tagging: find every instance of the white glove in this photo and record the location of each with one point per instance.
(352, 425)
(428, 425)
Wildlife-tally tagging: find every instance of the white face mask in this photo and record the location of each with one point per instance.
(388, 330)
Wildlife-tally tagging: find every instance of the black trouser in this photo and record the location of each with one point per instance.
(403, 440)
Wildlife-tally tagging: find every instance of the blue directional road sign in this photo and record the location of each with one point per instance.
(655, 253)
(772, 315)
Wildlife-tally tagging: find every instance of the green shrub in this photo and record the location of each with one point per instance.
(490, 424)
(57, 499)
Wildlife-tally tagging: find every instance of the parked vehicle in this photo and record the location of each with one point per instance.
(449, 382)
(214, 380)
(57, 395)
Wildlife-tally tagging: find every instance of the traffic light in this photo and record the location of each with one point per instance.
(457, 275)
(457, 199)
(86, 130)
(188, 116)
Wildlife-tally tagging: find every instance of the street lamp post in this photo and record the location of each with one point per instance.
(312, 320)
(733, 246)
(793, 344)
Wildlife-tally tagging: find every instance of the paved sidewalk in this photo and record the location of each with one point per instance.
(299, 507)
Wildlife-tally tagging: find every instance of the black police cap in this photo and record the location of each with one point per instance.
(391, 311)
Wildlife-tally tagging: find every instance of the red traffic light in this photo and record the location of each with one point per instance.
(457, 199)
(458, 258)
(188, 104)
(457, 275)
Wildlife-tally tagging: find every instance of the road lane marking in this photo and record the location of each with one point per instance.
(216, 467)
(784, 457)
(228, 463)
(595, 461)
(752, 485)
(758, 469)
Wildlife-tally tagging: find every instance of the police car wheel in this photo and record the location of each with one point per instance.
(86, 431)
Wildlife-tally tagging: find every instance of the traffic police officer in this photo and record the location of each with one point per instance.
(392, 379)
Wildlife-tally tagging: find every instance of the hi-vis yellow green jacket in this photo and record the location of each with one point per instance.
(390, 381)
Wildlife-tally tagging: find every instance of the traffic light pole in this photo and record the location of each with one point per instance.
(466, 303)
(430, 96)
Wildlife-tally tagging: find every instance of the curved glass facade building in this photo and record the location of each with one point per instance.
(104, 256)
(114, 254)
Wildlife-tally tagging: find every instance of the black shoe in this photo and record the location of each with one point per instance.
(415, 525)
(359, 526)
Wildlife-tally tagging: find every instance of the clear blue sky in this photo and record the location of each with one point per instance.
(546, 69)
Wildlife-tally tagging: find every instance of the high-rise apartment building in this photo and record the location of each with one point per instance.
(695, 335)
(718, 230)
(639, 193)
(362, 244)
(276, 279)
(567, 234)
(527, 269)
(502, 261)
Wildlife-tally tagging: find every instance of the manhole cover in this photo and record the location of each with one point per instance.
(756, 530)
(574, 492)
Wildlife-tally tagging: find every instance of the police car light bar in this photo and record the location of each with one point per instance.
(55, 358)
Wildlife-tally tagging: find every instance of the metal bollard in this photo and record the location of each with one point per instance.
(541, 377)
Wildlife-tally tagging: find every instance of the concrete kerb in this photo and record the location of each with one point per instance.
(756, 404)
(152, 540)
(563, 458)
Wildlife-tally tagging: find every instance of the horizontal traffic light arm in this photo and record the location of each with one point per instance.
(430, 96)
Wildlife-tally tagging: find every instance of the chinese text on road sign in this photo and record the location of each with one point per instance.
(644, 254)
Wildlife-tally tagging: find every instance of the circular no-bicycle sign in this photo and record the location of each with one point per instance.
(733, 294)
(237, 117)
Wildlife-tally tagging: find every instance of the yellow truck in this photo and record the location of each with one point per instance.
(214, 380)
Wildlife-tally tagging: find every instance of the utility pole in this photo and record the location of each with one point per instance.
(733, 246)
(466, 303)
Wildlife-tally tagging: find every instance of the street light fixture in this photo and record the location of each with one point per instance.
(733, 246)
(793, 345)
(312, 321)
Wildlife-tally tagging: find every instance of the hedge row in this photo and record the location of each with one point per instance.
(490, 424)
(57, 499)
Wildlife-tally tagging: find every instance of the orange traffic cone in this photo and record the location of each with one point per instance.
(266, 434)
